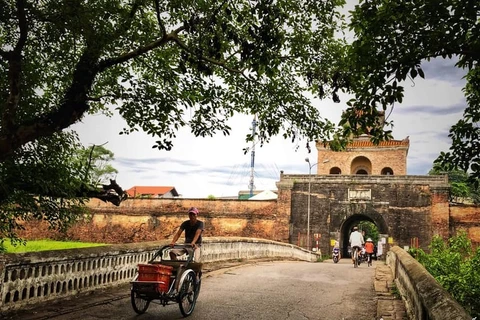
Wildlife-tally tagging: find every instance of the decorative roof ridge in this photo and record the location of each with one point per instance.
(362, 142)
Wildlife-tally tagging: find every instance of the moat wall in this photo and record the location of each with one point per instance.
(137, 220)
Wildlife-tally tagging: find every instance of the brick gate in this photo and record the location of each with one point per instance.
(402, 207)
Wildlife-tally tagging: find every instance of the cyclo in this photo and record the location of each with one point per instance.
(165, 281)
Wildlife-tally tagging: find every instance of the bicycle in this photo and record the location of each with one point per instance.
(356, 261)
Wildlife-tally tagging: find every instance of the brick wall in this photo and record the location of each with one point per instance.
(466, 218)
(440, 213)
(138, 220)
(377, 159)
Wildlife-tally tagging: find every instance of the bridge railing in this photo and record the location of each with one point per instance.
(31, 278)
(424, 297)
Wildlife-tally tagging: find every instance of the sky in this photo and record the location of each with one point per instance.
(200, 167)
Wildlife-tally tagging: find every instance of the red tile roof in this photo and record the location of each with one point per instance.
(150, 190)
(368, 143)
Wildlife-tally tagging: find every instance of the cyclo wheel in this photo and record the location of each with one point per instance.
(139, 304)
(187, 295)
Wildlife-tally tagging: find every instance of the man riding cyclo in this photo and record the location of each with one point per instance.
(193, 235)
(356, 242)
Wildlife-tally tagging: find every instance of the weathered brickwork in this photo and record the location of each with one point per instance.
(466, 218)
(158, 219)
(362, 154)
(402, 207)
(440, 213)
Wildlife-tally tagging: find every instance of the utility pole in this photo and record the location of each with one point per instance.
(310, 166)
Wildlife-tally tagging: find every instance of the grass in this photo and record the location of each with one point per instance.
(395, 292)
(44, 245)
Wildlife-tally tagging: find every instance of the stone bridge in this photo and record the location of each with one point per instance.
(31, 279)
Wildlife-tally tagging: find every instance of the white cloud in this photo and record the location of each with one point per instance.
(196, 167)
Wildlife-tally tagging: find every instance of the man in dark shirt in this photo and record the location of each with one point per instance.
(193, 235)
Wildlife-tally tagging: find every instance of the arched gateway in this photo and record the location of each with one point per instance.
(354, 220)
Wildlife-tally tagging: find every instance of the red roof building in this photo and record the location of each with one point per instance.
(152, 192)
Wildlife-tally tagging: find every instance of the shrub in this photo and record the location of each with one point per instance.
(454, 264)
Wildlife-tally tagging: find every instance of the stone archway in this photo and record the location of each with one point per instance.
(348, 224)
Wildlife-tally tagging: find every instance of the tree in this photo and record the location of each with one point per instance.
(460, 186)
(50, 179)
(94, 163)
(163, 64)
(155, 59)
(393, 39)
(371, 230)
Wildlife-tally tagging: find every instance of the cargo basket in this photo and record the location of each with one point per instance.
(155, 273)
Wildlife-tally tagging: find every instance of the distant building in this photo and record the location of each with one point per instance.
(245, 194)
(265, 195)
(152, 192)
(362, 156)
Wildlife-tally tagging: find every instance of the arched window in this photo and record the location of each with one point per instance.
(387, 171)
(361, 165)
(335, 170)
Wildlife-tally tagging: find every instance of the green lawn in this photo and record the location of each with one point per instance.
(44, 245)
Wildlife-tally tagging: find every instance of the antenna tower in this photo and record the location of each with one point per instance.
(251, 185)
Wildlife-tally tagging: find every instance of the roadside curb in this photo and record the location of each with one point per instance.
(389, 306)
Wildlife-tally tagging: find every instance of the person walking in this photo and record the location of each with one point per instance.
(369, 249)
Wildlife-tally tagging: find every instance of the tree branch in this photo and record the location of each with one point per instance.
(207, 59)
(133, 54)
(14, 59)
(89, 165)
(128, 22)
(22, 24)
(160, 23)
(112, 193)
(72, 108)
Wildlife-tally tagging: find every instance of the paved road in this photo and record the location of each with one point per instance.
(268, 290)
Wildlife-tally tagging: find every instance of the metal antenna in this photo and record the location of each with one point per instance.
(251, 185)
